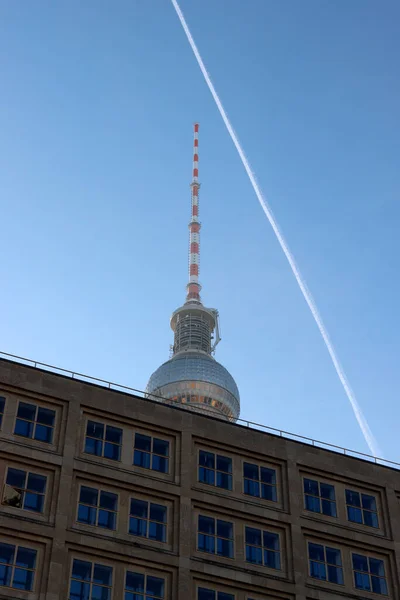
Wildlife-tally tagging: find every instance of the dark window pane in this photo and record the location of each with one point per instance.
(112, 451)
(5, 575)
(206, 476)
(316, 552)
(23, 428)
(16, 478)
(207, 459)
(224, 464)
(158, 512)
(333, 556)
(224, 480)
(379, 585)
(224, 529)
(138, 526)
(45, 416)
(268, 475)
(139, 508)
(43, 433)
(81, 570)
(253, 536)
(160, 464)
(87, 514)
(26, 558)
(106, 519)
(143, 442)
(313, 504)
(268, 492)
(206, 524)
(360, 562)
(100, 593)
(368, 502)
(113, 434)
(327, 491)
(102, 575)
(141, 459)
(224, 596)
(26, 411)
(95, 430)
(271, 540)
(376, 567)
(250, 471)
(155, 587)
(224, 548)
(157, 532)
(88, 495)
(36, 483)
(328, 508)
(335, 574)
(108, 500)
(311, 487)
(160, 447)
(272, 559)
(2, 404)
(354, 514)
(317, 570)
(361, 581)
(79, 591)
(252, 488)
(254, 555)
(206, 543)
(22, 580)
(370, 519)
(204, 594)
(353, 498)
(33, 502)
(7, 553)
(94, 446)
(134, 582)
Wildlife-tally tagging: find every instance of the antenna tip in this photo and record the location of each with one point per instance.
(196, 127)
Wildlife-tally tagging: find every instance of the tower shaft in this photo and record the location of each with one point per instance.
(194, 287)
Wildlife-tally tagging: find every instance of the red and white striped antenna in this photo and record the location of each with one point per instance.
(194, 287)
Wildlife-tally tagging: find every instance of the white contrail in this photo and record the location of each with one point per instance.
(369, 438)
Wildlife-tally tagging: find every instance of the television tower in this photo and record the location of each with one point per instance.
(192, 376)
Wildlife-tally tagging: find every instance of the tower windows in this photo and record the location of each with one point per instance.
(17, 567)
(103, 440)
(259, 481)
(98, 508)
(140, 586)
(90, 581)
(319, 497)
(369, 574)
(262, 548)
(147, 519)
(151, 453)
(361, 508)
(207, 594)
(215, 536)
(35, 422)
(25, 490)
(215, 469)
(325, 563)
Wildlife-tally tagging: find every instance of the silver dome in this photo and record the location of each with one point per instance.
(199, 374)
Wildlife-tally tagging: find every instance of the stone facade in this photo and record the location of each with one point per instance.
(166, 475)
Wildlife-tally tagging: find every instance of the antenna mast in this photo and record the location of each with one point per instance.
(194, 287)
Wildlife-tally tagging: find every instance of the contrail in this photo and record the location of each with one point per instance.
(369, 438)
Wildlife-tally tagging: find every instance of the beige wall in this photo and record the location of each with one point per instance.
(58, 538)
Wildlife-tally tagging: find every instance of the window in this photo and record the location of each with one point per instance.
(90, 581)
(35, 422)
(205, 594)
(215, 469)
(97, 507)
(369, 574)
(319, 497)
(215, 536)
(151, 453)
(25, 490)
(103, 440)
(143, 587)
(361, 508)
(263, 548)
(325, 563)
(148, 520)
(260, 482)
(17, 567)
(2, 407)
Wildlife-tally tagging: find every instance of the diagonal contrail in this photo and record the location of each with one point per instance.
(369, 438)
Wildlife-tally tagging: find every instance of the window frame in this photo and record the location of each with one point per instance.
(362, 493)
(92, 485)
(92, 560)
(279, 552)
(264, 465)
(3, 401)
(216, 454)
(27, 470)
(150, 501)
(38, 405)
(104, 441)
(368, 556)
(133, 568)
(215, 536)
(214, 588)
(326, 545)
(319, 481)
(17, 543)
(169, 457)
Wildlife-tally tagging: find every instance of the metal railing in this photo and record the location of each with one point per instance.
(252, 425)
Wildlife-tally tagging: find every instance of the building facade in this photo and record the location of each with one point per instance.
(109, 496)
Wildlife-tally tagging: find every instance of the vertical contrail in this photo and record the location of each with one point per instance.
(369, 438)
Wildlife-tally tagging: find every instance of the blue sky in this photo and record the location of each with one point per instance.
(96, 111)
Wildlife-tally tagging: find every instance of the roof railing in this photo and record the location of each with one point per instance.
(266, 428)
